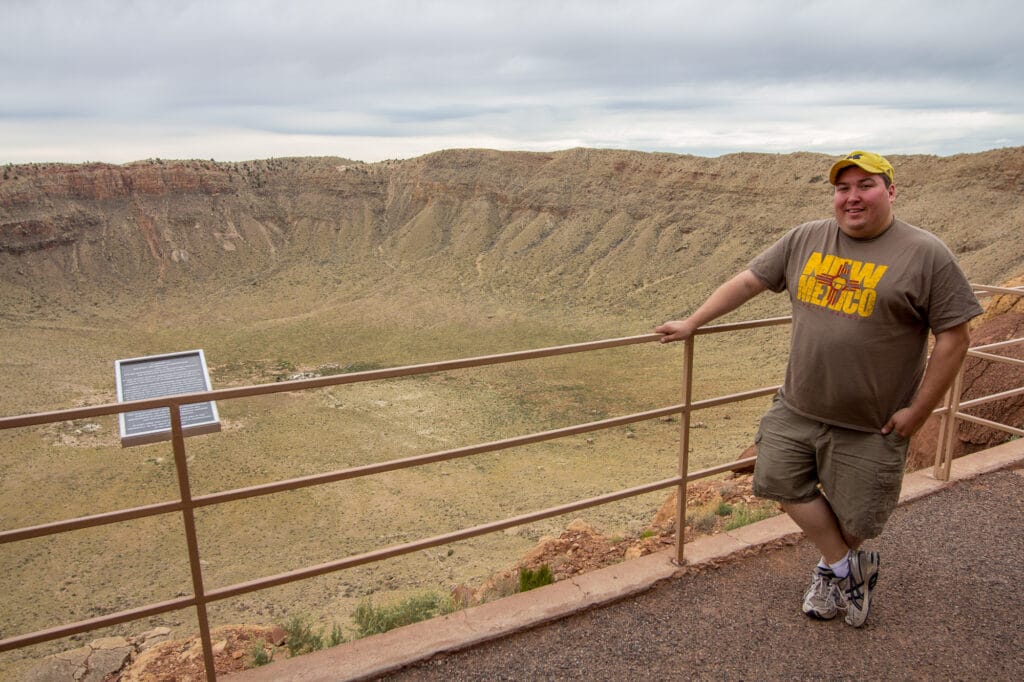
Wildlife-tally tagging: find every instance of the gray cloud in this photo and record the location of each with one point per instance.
(368, 80)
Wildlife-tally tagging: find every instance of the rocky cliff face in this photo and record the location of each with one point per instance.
(600, 227)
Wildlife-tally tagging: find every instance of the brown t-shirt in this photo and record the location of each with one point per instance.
(862, 309)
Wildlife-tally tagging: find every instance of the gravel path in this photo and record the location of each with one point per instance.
(949, 606)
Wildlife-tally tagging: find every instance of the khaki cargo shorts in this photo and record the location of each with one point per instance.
(860, 473)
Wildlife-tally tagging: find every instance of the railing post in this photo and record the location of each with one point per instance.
(947, 430)
(684, 449)
(188, 519)
(940, 438)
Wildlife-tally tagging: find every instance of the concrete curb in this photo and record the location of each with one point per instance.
(374, 656)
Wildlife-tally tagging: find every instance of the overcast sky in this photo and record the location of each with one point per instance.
(122, 80)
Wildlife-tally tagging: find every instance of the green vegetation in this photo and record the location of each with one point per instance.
(728, 516)
(352, 367)
(373, 620)
(302, 638)
(261, 654)
(336, 636)
(530, 579)
(702, 520)
(744, 514)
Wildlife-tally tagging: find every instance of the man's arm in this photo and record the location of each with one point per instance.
(947, 355)
(726, 298)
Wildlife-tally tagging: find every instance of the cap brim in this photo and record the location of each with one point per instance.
(843, 164)
(838, 166)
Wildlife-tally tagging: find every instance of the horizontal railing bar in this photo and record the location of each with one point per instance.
(992, 424)
(38, 418)
(992, 398)
(51, 634)
(444, 455)
(720, 468)
(424, 368)
(997, 358)
(89, 521)
(225, 593)
(429, 458)
(318, 382)
(494, 526)
(184, 602)
(426, 543)
(997, 290)
(998, 344)
(733, 398)
(356, 377)
(357, 472)
(738, 326)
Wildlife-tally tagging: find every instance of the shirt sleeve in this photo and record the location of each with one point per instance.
(770, 265)
(952, 299)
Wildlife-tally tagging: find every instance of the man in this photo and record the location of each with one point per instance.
(866, 288)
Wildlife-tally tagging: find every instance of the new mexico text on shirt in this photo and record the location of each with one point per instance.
(840, 284)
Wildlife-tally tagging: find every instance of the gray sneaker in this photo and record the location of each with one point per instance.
(822, 598)
(857, 587)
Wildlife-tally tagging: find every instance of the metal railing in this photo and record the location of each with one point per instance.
(187, 503)
(953, 408)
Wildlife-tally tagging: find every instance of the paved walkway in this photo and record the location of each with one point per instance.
(949, 606)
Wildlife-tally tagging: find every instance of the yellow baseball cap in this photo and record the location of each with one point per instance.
(869, 161)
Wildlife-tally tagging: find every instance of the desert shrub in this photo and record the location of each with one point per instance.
(373, 620)
(301, 638)
(359, 367)
(702, 521)
(530, 579)
(260, 654)
(745, 514)
(504, 586)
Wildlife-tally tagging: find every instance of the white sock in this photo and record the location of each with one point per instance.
(842, 567)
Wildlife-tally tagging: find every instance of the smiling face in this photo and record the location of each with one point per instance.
(862, 203)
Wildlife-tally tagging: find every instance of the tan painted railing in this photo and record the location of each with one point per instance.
(186, 504)
(954, 406)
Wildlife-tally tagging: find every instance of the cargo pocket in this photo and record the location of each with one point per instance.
(887, 495)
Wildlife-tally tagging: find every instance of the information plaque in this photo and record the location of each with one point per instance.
(156, 376)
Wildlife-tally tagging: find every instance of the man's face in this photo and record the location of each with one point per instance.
(862, 202)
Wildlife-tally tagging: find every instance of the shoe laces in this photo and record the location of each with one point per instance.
(839, 597)
(826, 589)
